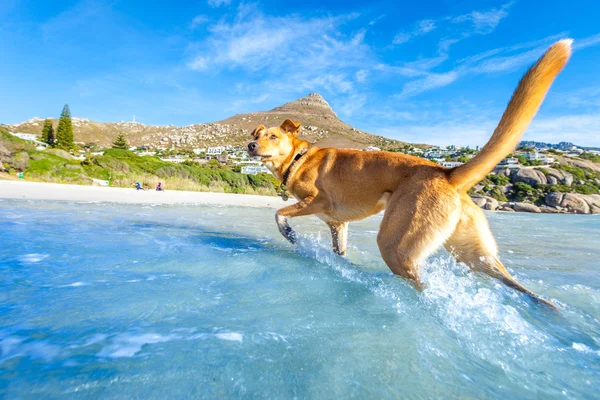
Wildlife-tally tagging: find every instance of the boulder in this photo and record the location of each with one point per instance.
(60, 153)
(506, 208)
(567, 178)
(490, 204)
(553, 199)
(552, 180)
(485, 202)
(549, 210)
(20, 161)
(593, 200)
(478, 200)
(530, 176)
(575, 203)
(526, 207)
(4, 153)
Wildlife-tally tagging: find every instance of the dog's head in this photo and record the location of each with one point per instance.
(274, 145)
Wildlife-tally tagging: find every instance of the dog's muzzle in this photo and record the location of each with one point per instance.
(252, 146)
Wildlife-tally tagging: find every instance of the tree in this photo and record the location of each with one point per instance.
(64, 132)
(120, 142)
(48, 135)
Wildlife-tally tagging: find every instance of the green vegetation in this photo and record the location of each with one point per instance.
(48, 135)
(590, 157)
(120, 142)
(124, 168)
(64, 132)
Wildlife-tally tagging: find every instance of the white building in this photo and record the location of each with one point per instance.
(509, 162)
(451, 164)
(25, 136)
(255, 169)
(215, 151)
(199, 151)
(539, 157)
(372, 148)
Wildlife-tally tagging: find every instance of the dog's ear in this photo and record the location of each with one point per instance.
(290, 126)
(258, 129)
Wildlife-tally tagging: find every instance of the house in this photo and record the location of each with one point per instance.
(255, 169)
(371, 148)
(450, 164)
(25, 136)
(215, 151)
(200, 151)
(539, 157)
(509, 162)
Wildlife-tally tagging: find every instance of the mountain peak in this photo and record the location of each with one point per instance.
(314, 103)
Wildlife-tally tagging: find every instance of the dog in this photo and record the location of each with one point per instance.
(426, 205)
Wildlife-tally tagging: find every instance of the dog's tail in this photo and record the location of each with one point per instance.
(521, 109)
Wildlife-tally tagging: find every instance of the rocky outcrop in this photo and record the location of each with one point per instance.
(526, 207)
(20, 161)
(555, 177)
(553, 199)
(593, 201)
(550, 210)
(60, 153)
(575, 203)
(529, 176)
(487, 203)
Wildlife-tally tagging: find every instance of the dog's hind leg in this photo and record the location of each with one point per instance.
(415, 225)
(339, 236)
(473, 244)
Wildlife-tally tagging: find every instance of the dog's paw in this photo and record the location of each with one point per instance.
(285, 229)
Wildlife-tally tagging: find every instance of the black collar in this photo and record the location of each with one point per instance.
(286, 174)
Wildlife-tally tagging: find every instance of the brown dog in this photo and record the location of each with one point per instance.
(426, 205)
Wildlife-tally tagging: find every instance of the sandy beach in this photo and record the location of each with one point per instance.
(23, 190)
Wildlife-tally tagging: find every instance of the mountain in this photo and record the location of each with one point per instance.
(565, 146)
(320, 125)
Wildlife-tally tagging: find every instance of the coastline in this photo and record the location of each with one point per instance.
(24, 190)
(27, 190)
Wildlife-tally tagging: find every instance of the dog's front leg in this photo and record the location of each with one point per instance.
(307, 206)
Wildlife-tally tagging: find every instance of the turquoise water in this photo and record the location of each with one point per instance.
(124, 301)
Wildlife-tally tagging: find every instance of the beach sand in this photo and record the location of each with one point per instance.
(24, 190)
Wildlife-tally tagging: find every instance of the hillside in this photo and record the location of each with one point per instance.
(320, 125)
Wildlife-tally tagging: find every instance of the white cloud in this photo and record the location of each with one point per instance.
(586, 42)
(199, 63)
(218, 3)
(255, 41)
(431, 81)
(199, 20)
(361, 75)
(484, 22)
(496, 60)
(351, 104)
(422, 28)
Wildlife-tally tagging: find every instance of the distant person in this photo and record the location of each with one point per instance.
(138, 186)
(159, 187)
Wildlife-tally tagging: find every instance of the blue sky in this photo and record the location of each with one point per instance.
(438, 72)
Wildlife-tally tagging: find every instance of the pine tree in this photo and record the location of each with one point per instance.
(120, 142)
(48, 133)
(64, 132)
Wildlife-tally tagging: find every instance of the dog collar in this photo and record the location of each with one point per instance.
(286, 174)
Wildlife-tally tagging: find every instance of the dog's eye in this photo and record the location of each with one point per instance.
(273, 137)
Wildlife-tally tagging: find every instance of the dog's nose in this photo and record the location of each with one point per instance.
(252, 146)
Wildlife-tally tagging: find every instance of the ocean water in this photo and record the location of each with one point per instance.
(153, 302)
